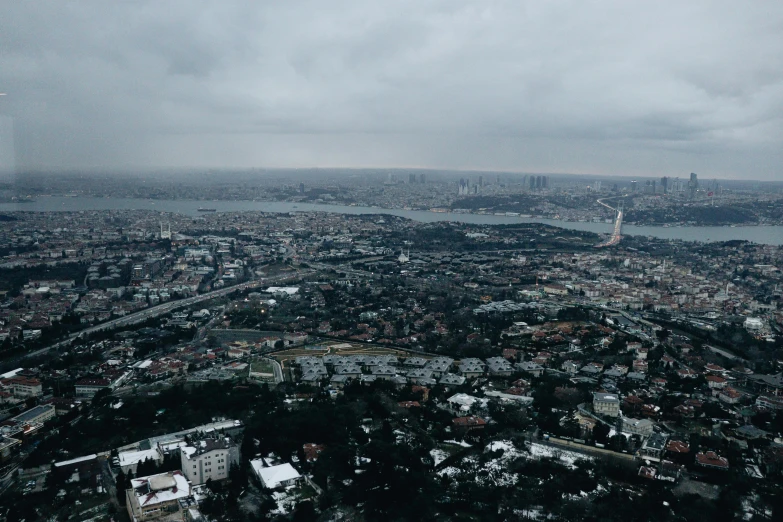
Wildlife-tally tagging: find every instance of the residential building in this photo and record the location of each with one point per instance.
(273, 477)
(208, 459)
(606, 404)
(461, 403)
(642, 427)
(654, 447)
(37, 415)
(24, 386)
(157, 496)
(89, 387)
(711, 460)
(469, 423)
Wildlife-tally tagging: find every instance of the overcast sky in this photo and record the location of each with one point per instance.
(624, 87)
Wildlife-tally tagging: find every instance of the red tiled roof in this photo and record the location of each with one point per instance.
(469, 422)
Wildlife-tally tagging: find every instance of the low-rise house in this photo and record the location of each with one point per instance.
(452, 380)
(312, 451)
(420, 376)
(339, 381)
(383, 372)
(531, 367)
(769, 402)
(642, 427)
(715, 382)
(461, 403)
(273, 477)
(654, 447)
(348, 370)
(439, 366)
(129, 461)
(711, 460)
(730, 396)
(415, 362)
(471, 370)
(498, 366)
(677, 447)
(469, 423)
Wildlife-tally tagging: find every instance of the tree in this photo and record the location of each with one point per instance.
(601, 433)
(120, 483)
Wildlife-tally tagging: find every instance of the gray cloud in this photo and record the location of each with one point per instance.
(610, 87)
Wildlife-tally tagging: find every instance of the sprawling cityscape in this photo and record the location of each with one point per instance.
(390, 261)
(214, 364)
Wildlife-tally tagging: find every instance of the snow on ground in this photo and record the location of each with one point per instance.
(566, 457)
(497, 468)
(504, 452)
(285, 501)
(438, 455)
(449, 471)
(458, 443)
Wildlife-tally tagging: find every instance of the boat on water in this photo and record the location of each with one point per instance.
(202, 209)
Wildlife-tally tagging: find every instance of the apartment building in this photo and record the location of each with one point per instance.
(208, 459)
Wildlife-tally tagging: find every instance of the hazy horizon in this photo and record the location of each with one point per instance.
(565, 88)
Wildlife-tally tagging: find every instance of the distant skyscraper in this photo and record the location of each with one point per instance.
(633, 185)
(693, 185)
(411, 178)
(545, 182)
(301, 188)
(597, 185)
(538, 182)
(532, 182)
(421, 178)
(464, 187)
(481, 181)
(665, 185)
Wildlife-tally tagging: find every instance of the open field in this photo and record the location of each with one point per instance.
(262, 370)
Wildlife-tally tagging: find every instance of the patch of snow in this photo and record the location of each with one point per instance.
(569, 458)
(438, 455)
(449, 471)
(458, 443)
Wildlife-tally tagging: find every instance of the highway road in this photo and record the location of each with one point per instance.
(162, 309)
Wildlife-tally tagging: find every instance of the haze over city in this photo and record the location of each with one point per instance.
(613, 88)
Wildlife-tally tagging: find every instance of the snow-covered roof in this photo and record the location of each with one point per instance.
(129, 458)
(75, 461)
(290, 290)
(462, 399)
(163, 487)
(272, 476)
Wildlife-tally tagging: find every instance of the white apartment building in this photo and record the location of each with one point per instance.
(208, 459)
(606, 404)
